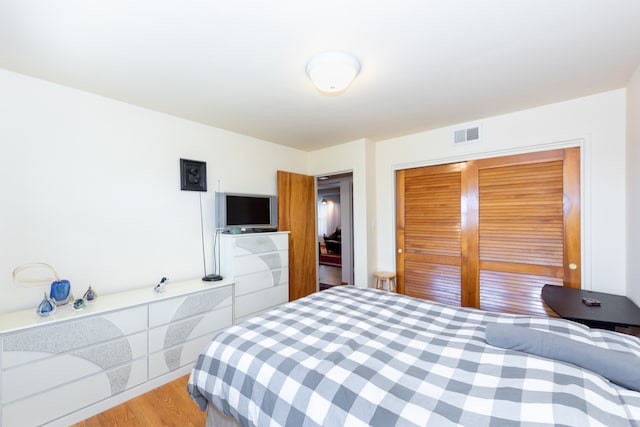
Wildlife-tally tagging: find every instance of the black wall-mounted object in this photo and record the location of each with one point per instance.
(193, 175)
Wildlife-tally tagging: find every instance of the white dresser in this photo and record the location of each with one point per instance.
(73, 364)
(258, 263)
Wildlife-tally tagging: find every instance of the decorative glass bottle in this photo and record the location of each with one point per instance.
(89, 294)
(60, 291)
(46, 307)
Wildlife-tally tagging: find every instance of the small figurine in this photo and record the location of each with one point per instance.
(79, 304)
(89, 295)
(46, 307)
(159, 288)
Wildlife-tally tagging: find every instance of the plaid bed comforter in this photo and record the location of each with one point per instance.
(357, 357)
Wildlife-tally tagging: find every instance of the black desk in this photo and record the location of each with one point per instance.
(615, 310)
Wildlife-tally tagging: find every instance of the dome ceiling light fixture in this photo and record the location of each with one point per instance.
(332, 72)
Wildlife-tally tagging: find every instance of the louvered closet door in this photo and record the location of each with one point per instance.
(429, 232)
(490, 233)
(529, 228)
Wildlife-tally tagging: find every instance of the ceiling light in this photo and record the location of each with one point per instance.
(332, 72)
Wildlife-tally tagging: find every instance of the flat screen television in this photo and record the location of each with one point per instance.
(247, 212)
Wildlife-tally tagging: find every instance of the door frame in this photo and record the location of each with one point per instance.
(346, 219)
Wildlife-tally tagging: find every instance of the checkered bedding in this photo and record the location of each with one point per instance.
(358, 357)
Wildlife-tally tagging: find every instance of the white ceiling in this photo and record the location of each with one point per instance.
(240, 64)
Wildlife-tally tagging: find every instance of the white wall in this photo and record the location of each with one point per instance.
(91, 186)
(633, 188)
(596, 122)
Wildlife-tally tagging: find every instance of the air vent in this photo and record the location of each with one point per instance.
(469, 134)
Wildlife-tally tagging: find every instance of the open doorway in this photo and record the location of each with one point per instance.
(335, 230)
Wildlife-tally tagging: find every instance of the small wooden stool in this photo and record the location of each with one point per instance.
(385, 281)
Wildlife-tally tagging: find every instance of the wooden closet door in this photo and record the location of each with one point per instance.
(296, 214)
(528, 229)
(490, 233)
(429, 232)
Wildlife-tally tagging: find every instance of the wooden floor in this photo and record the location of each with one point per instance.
(169, 405)
(330, 276)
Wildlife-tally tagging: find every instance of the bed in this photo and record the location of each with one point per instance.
(357, 357)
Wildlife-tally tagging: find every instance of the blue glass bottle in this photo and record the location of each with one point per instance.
(60, 291)
(46, 307)
(89, 295)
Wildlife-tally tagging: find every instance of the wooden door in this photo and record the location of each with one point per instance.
(528, 229)
(429, 232)
(517, 228)
(296, 214)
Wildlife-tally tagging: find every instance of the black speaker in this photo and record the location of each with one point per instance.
(193, 175)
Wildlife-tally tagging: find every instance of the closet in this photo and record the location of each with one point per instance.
(490, 233)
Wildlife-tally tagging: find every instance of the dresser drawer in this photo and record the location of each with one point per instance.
(174, 309)
(173, 358)
(259, 243)
(177, 333)
(50, 372)
(249, 264)
(64, 337)
(254, 282)
(64, 399)
(261, 300)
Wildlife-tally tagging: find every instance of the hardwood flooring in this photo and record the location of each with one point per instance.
(330, 276)
(169, 405)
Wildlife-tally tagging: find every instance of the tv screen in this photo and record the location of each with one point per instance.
(246, 211)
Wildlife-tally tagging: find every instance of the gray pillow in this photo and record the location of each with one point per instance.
(619, 367)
